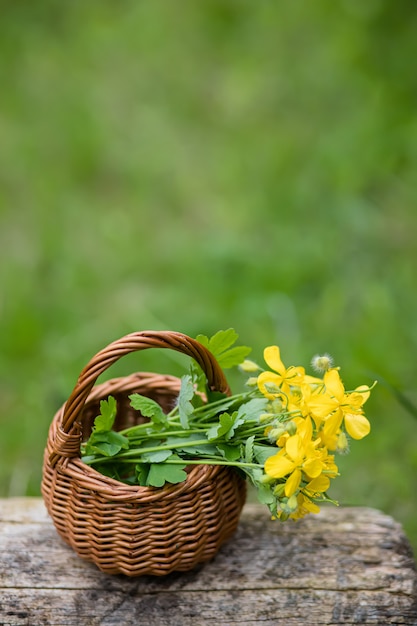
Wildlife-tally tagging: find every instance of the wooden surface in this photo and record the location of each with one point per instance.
(344, 566)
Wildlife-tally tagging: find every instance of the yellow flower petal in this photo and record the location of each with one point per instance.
(333, 423)
(333, 384)
(278, 466)
(357, 398)
(313, 467)
(295, 375)
(305, 506)
(304, 429)
(293, 482)
(272, 358)
(321, 405)
(319, 484)
(357, 425)
(266, 378)
(294, 448)
(311, 507)
(365, 392)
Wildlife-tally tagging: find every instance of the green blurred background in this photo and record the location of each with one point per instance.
(202, 165)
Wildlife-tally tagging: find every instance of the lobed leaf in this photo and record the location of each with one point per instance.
(148, 408)
(156, 457)
(220, 346)
(233, 357)
(249, 451)
(252, 409)
(106, 443)
(226, 426)
(185, 408)
(142, 471)
(161, 473)
(262, 453)
(108, 411)
(229, 452)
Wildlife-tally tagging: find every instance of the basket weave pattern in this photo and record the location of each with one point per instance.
(126, 529)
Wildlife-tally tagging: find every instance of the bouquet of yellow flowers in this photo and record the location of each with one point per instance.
(281, 432)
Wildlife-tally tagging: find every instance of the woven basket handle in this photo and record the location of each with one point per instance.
(67, 441)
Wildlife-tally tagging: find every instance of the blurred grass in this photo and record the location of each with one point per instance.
(201, 166)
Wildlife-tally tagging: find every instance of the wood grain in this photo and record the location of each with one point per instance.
(344, 566)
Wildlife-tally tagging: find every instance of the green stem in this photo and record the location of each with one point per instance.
(164, 434)
(183, 462)
(216, 406)
(135, 428)
(213, 462)
(134, 452)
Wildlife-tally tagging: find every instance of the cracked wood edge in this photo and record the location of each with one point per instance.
(340, 567)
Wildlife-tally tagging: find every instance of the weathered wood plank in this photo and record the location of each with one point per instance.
(344, 566)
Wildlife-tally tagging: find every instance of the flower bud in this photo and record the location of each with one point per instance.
(289, 505)
(292, 503)
(266, 417)
(291, 428)
(265, 479)
(275, 433)
(279, 490)
(321, 363)
(249, 366)
(276, 405)
(272, 388)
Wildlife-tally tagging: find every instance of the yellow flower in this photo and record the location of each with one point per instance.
(334, 406)
(281, 378)
(299, 457)
(305, 506)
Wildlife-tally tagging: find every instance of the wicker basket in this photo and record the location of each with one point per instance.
(127, 529)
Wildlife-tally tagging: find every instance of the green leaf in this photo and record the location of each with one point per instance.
(226, 426)
(108, 469)
(220, 346)
(131, 480)
(106, 443)
(142, 471)
(180, 444)
(105, 420)
(87, 458)
(185, 408)
(198, 377)
(156, 457)
(262, 453)
(148, 408)
(233, 357)
(264, 493)
(263, 490)
(161, 473)
(204, 340)
(230, 453)
(252, 409)
(249, 452)
(219, 342)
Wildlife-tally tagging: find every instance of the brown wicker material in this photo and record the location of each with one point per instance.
(127, 529)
